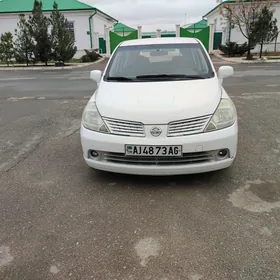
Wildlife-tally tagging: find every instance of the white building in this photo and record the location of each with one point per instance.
(87, 22)
(221, 31)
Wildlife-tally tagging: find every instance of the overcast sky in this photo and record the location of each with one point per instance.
(154, 14)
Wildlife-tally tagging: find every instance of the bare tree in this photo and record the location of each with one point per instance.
(243, 14)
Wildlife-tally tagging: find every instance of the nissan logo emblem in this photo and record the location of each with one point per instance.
(156, 131)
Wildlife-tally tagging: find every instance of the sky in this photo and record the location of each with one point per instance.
(154, 14)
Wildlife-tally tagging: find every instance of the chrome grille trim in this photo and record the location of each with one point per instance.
(188, 126)
(125, 128)
(187, 158)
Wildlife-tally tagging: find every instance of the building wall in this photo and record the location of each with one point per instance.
(8, 23)
(221, 25)
(98, 26)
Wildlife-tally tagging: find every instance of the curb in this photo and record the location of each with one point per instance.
(245, 61)
(80, 65)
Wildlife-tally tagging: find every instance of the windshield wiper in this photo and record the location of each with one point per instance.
(170, 76)
(119, 78)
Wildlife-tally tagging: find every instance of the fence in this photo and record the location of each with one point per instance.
(113, 39)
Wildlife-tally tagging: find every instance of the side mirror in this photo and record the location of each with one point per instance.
(225, 72)
(96, 75)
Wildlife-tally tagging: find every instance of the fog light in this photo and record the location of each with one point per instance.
(93, 153)
(223, 153)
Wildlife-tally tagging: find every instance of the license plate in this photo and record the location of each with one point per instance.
(159, 151)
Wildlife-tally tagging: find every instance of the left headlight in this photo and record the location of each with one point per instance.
(92, 119)
(224, 116)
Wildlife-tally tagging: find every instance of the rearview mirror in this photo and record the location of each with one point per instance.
(225, 72)
(96, 75)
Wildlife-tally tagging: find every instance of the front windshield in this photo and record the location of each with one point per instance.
(168, 61)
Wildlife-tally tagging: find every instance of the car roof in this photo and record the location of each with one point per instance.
(155, 41)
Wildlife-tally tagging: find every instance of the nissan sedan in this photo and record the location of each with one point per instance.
(160, 109)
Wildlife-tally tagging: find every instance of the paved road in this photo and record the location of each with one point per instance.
(61, 220)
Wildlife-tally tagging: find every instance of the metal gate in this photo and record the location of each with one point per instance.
(202, 35)
(116, 39)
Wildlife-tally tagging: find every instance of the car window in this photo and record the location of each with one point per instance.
(165, 59)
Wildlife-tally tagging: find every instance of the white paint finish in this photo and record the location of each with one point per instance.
(244, 198)
(159, 103)
(99, 22)
(80, 19)
(54, 269)
(178, 30)
(221, 25)
(153, 41)
(139, 28)
(5, 256)
(155, 98)
(8, 23)
(146, 248)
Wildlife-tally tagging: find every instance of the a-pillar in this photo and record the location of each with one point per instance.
(159, 33)
(139, 32)
(178, 30)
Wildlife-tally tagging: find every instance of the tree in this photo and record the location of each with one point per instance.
(24, 46)
(6, 47)
(243, 14)
(265, 28)
(62, 38)
(38, 28)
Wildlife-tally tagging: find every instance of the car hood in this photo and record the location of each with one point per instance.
(158, 102)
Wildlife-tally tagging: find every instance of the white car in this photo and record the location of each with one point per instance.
(160, 109)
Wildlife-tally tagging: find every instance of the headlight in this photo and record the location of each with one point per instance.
(92, 119)
(224, 116)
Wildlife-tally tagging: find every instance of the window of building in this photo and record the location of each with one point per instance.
(71, 26)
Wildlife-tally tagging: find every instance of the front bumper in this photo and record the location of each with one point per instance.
(204, 142)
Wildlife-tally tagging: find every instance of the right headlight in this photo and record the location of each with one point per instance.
(224, 116)
(92, 119)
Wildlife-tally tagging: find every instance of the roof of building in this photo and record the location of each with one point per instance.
(220, 4)
(154, 41)
(198, 25)
(120, 27)
(26, 6)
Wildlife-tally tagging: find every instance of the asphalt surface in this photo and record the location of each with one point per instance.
(60, 219)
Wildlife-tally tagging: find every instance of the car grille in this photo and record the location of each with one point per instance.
(187, 127)
(125, 128)
(188, 158)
